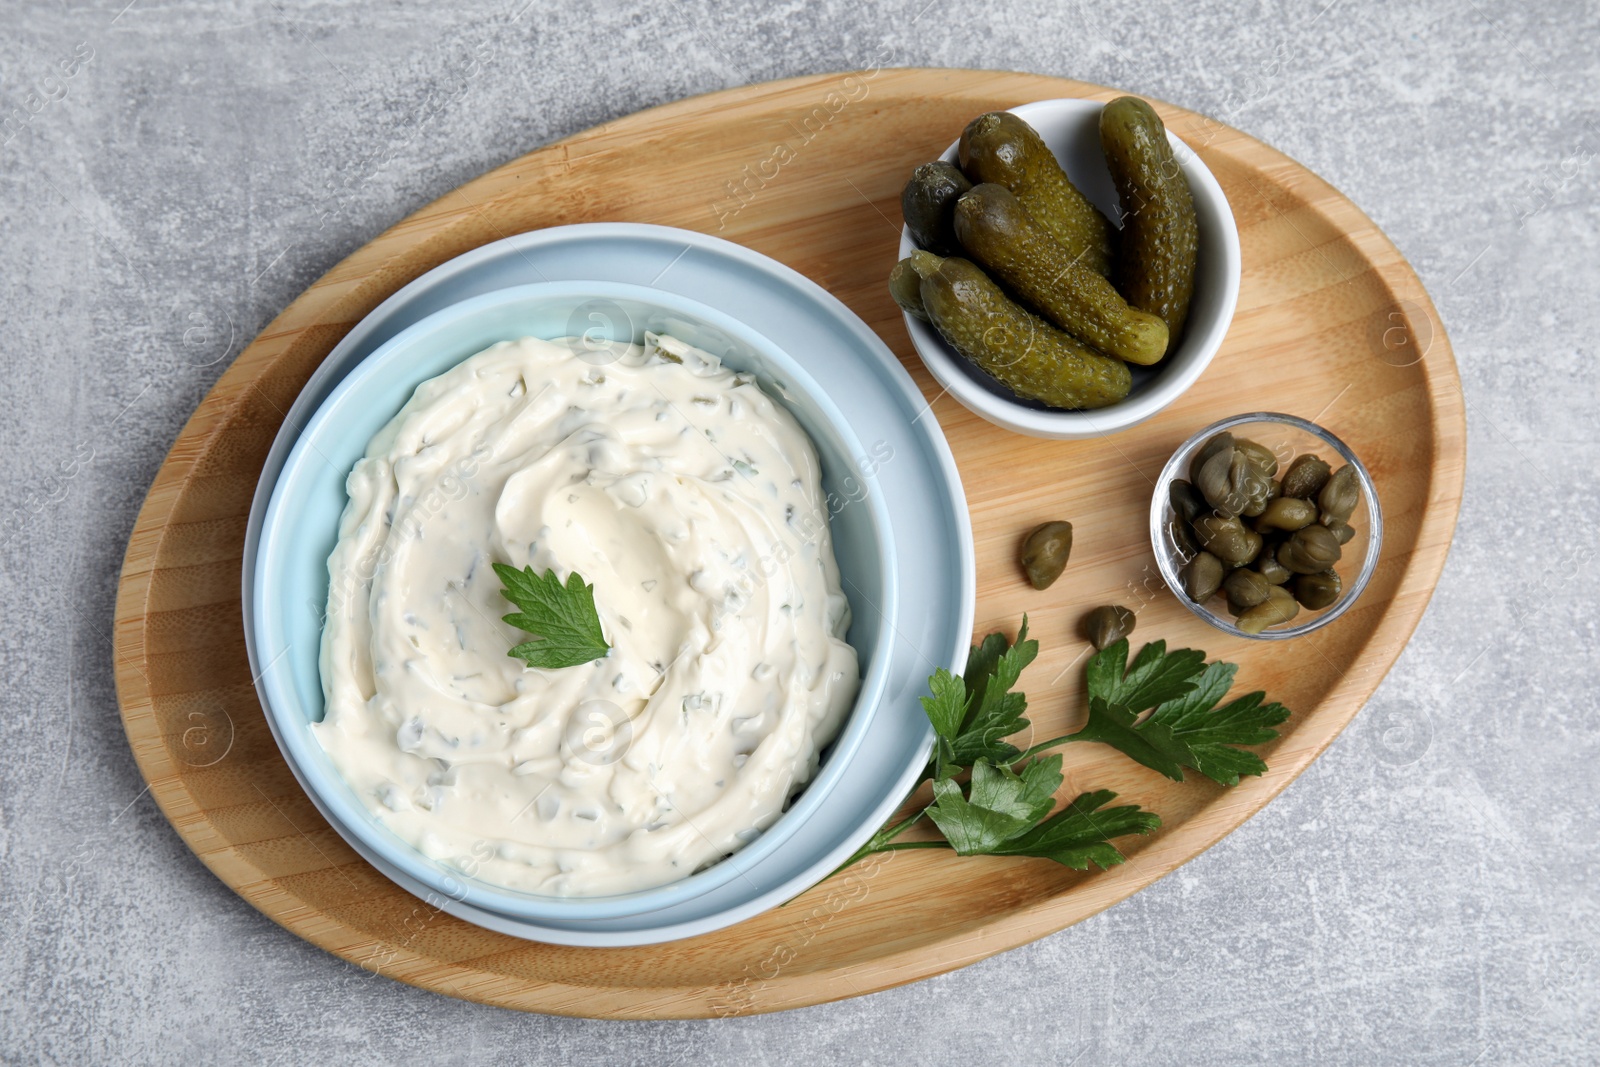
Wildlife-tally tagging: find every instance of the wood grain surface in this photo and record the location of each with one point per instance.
(1332, 325)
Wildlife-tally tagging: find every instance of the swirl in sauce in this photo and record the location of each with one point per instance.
(677, 488)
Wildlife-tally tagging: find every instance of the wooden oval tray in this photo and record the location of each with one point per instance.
(1332, 325)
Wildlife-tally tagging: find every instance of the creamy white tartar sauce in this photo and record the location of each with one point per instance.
(693, 504)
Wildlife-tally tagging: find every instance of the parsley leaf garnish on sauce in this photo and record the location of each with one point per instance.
(562, 618)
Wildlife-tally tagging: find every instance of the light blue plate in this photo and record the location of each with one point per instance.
(302, 519)
(929, 584)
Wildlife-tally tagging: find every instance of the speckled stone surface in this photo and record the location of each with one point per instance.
(1425, 894)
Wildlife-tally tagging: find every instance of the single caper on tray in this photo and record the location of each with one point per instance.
(1045, 551)
(1108, 624)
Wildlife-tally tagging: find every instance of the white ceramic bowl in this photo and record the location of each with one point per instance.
(1071, 129)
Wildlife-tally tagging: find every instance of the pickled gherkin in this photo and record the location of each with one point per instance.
(905, 285)
(998, 232)
(1000, 147)
(926, 204)
(1154, 265)
(1031, 357)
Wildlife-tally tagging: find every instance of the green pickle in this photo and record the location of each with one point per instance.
(997, 231)
(1156, 249)
(926, 203)
(1031, 357)
(906, 287)
(999, 147)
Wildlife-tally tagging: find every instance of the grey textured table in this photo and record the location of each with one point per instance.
(1426, 893)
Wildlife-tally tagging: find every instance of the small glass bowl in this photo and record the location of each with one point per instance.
(1287, 437)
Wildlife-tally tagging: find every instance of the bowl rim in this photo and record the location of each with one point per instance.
(947, 366)
(1161, 511)
(301, 750)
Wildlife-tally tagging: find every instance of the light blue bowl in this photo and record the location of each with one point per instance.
(298, 531)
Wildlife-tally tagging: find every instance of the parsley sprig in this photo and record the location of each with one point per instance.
(1162, 711)
(1184, 727)
(562, 618)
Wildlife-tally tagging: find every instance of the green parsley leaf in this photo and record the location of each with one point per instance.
(563, 619)
(1184, 728)
(1151, 745)
(1154, 677)
(946, 710)
(1001, 804)
(1162, 711)
(1081, 832)
(1210, 734)
(993, 712)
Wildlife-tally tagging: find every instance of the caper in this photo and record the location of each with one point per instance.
(1228, 540)
(1202, 577)
(1045, 552)
(1186, 500)
(1108, 624)
(1310, 551)
(1274, 490)
(1256, 484)
(1268, 567)
(1340, 495)
(1233, 485)
(1259, 454)
(1287, 513)
(1217, 485)
(1180, 537)
(1317, 591)
(1222, 442)
(1245, 589)
(1279, 607)
(1305, 476)
(1342, 531)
